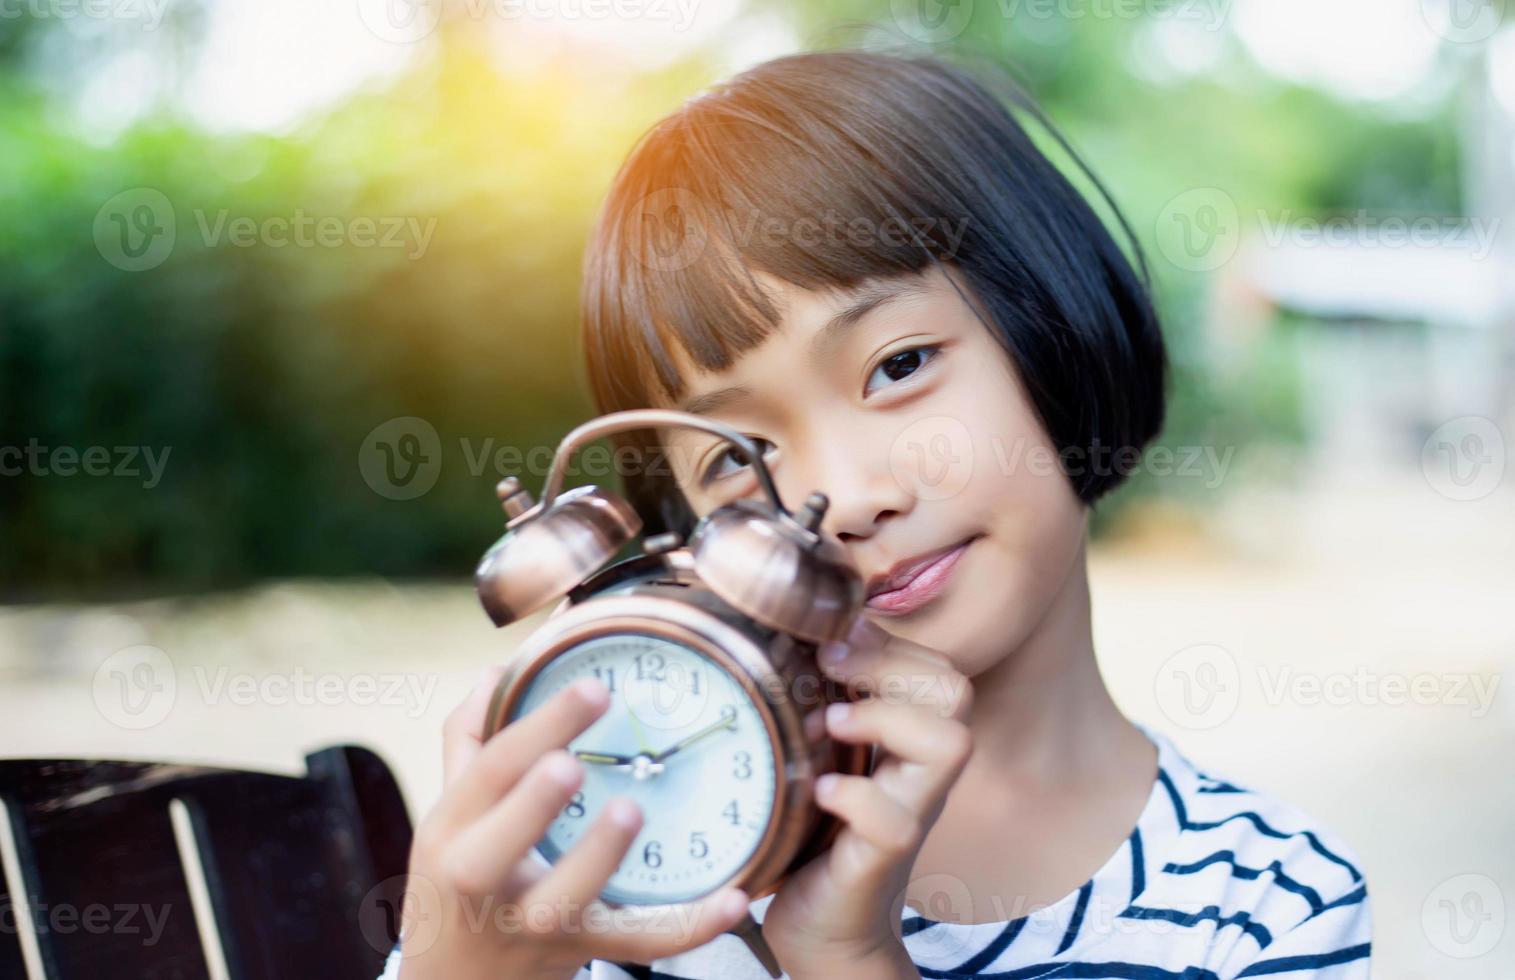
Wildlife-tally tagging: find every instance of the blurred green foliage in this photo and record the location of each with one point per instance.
(261, 370)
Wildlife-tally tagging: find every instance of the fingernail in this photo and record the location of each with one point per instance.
(838, 712)
(825, 784)
(832, 653)
(592, 690)
(623, 812)
(735, 903)
(563, 768)
(862, 631)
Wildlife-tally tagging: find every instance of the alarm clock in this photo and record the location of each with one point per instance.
(707, 647)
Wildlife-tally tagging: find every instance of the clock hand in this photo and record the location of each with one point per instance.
(636, 727)
(603, 758)
(728, 720)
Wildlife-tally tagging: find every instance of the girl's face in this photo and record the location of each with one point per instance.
(894, 400)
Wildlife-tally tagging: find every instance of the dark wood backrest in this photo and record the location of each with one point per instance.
(302, 877)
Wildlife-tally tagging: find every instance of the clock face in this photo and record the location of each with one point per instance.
(683, 739)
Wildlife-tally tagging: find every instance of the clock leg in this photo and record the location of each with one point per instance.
(749, 932)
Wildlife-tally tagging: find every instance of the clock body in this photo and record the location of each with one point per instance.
(705, 731)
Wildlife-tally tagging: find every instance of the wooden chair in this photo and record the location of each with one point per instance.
(179, 872)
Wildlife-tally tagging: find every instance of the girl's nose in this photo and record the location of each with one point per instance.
(857, 480)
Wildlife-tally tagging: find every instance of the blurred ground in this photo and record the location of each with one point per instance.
(1340, 645)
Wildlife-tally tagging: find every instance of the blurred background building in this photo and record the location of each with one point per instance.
(286, 286)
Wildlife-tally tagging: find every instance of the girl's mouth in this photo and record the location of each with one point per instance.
(926, 583)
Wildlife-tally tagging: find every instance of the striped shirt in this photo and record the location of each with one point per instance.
(1215, 882)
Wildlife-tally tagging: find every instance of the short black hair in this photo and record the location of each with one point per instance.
(898, 150)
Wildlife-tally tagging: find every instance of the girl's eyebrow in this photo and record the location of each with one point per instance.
(866, 299)
(710, 401)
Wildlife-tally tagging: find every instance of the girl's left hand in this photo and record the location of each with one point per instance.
(839, 914)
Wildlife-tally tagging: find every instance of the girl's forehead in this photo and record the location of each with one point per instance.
(811, 322)
(813, 325)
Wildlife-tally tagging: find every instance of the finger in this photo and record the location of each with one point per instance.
(463, 731)
(482, 858)
(876, 663)
(886, 829)
(646, 933)
(580, 875)
(935, 749)
(500, 763)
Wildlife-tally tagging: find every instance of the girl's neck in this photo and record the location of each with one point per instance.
(1042, 715)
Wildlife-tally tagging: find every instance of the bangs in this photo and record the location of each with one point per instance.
(717, 193)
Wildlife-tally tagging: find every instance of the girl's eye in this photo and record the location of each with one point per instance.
(902, 365)
(731, 454)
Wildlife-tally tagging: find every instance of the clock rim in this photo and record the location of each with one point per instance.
(729, 647)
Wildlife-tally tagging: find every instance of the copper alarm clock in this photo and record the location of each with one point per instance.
(708, 650)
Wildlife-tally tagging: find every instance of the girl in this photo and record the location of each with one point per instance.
(864, 262)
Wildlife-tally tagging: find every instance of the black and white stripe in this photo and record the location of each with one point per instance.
(1215, 882)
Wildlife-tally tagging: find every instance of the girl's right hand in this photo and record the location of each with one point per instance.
(481, 906)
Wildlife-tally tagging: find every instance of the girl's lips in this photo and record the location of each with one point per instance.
(928, 583)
